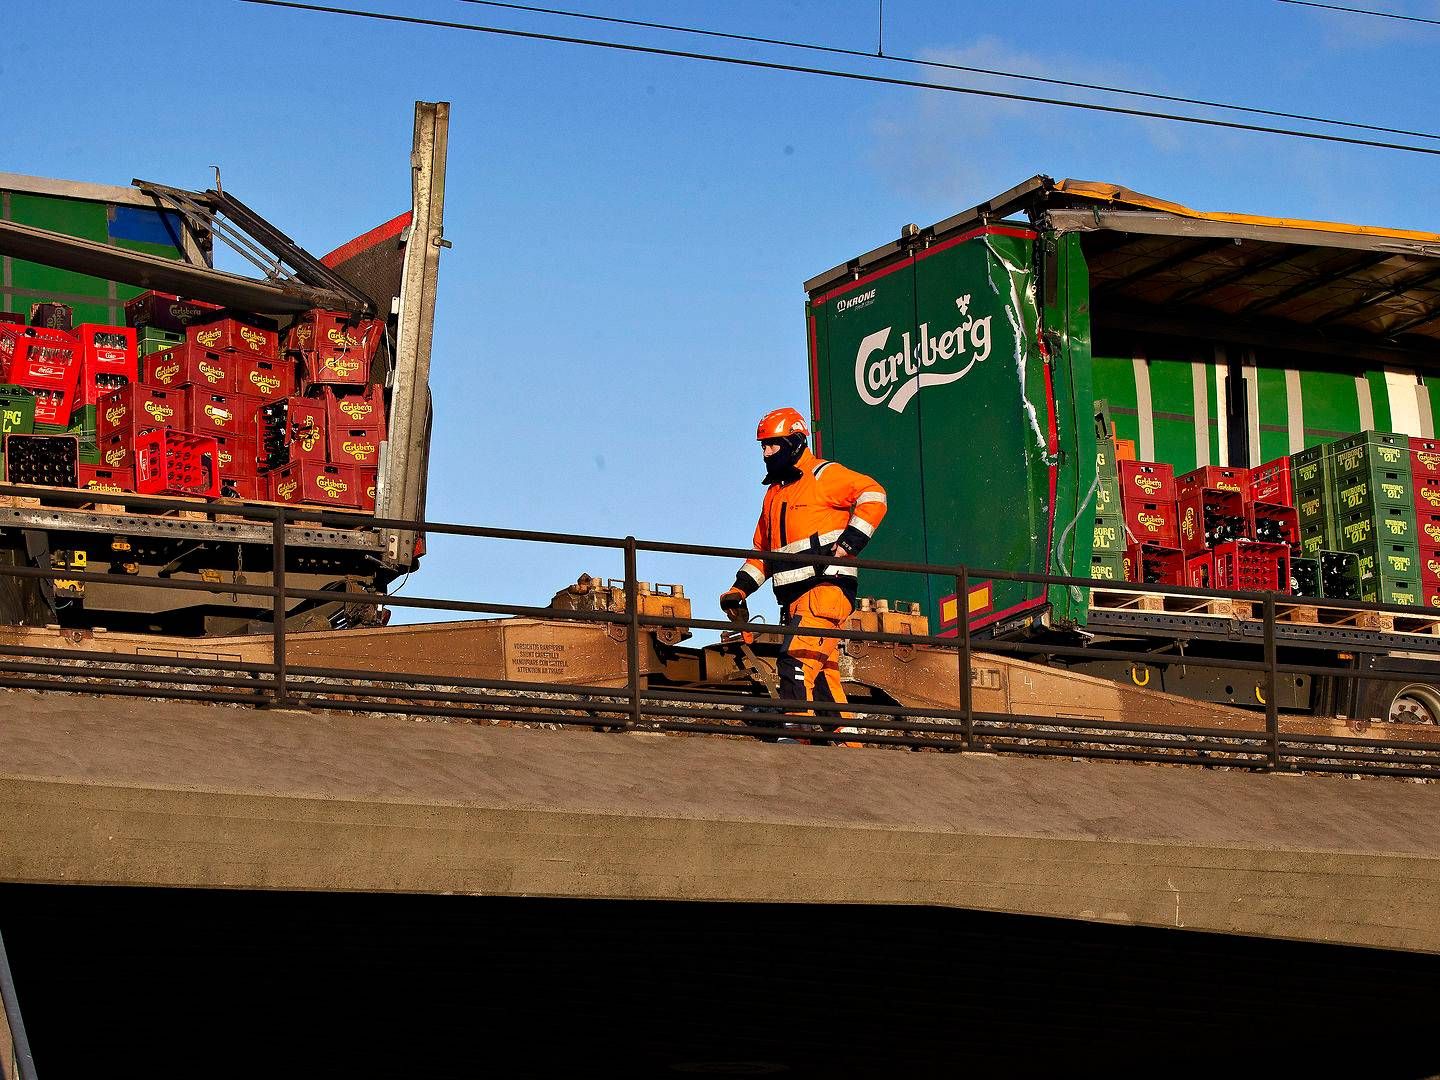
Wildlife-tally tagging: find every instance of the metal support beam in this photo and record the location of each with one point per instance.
(1169, 262)
(1304, 288)
(154, 272)
(402, 476)
(1233, 277)
(1378, 298)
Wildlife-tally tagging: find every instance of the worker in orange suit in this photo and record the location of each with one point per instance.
(811, 507)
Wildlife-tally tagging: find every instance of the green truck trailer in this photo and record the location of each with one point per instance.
(960, 365)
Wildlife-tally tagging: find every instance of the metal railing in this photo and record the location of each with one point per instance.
(639, 706)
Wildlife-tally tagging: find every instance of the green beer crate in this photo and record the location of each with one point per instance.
(17, 411)
(1382, 525)
(1305, 577)
(1107, 567)
(1374, 452)
(1310, 468)
(1312, 544)
(1104, 427)
(151, 340)
(1373, 491)
(1105, 459)
(50, 429)
(82, 422)
(1109, 534)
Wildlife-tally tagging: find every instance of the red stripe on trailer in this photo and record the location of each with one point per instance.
(377, 235)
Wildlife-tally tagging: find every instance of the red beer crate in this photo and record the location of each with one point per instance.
(166, 311)
(234, 334)
(1209, 516)
(1427, 493)
(170, 462)
(1151, 523)
(12, 317)
(337, 348)
(1425, 462)
(303, 416)
(212, 413)
(1200, 571)
(108, 360)
(45, 362)
(188, 365)
(1147, 482)
(369, 479)
(363, 409)
(249, 488)
(322, 485)
(1270, 483)
(1156, 564)
(360, 446)
(102, 478)
(237, 456)
(117, 451)
(138, 407)
(1270, 524)
(269, 380)
(1219, 478)
(1428, 526)
(1245, 566)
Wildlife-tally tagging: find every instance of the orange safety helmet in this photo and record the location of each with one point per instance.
(780, 423)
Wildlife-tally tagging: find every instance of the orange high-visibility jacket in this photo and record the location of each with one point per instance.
(808, 515)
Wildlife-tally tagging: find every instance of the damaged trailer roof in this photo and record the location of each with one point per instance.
(1311, 284)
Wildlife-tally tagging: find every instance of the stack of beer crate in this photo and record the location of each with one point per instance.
(1148, 504)
(1425, 476)
(1107, 558)
(1375, 520)
(1312, 476)
(323, 445)
(1218, 532)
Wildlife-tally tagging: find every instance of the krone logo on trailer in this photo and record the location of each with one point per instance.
(940, 356)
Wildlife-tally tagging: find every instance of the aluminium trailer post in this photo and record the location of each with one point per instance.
(962, 609)
(278, 609)
(632, 635)
(1272, 706)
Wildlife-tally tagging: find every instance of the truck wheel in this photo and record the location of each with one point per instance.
(1415, 703)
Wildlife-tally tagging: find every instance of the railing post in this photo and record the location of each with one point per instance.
(278, 610)
(632, 639)
(962, 612)
(1272, 706)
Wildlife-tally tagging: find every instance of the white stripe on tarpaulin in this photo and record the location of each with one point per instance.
(1252, 405)
(1294, 410)
(1404, 407)
(1422, 406)
(1144, 411)
(1222, 404)
(1200, 395)
(1365, 403)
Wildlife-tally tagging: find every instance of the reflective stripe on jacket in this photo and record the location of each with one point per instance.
(825, 504)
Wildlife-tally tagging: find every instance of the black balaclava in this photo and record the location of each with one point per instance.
(780, 466)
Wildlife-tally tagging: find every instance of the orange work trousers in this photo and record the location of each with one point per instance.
(809, 667)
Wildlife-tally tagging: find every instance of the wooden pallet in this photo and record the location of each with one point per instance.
(1218, 606)
(1306, 613)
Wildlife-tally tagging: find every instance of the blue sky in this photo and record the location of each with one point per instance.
(623, 299)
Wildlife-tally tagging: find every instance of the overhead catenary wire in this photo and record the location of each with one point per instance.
(1362, 11)
(942, 65)
(880, 80)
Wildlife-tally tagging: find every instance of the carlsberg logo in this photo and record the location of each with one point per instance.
(892, 379)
